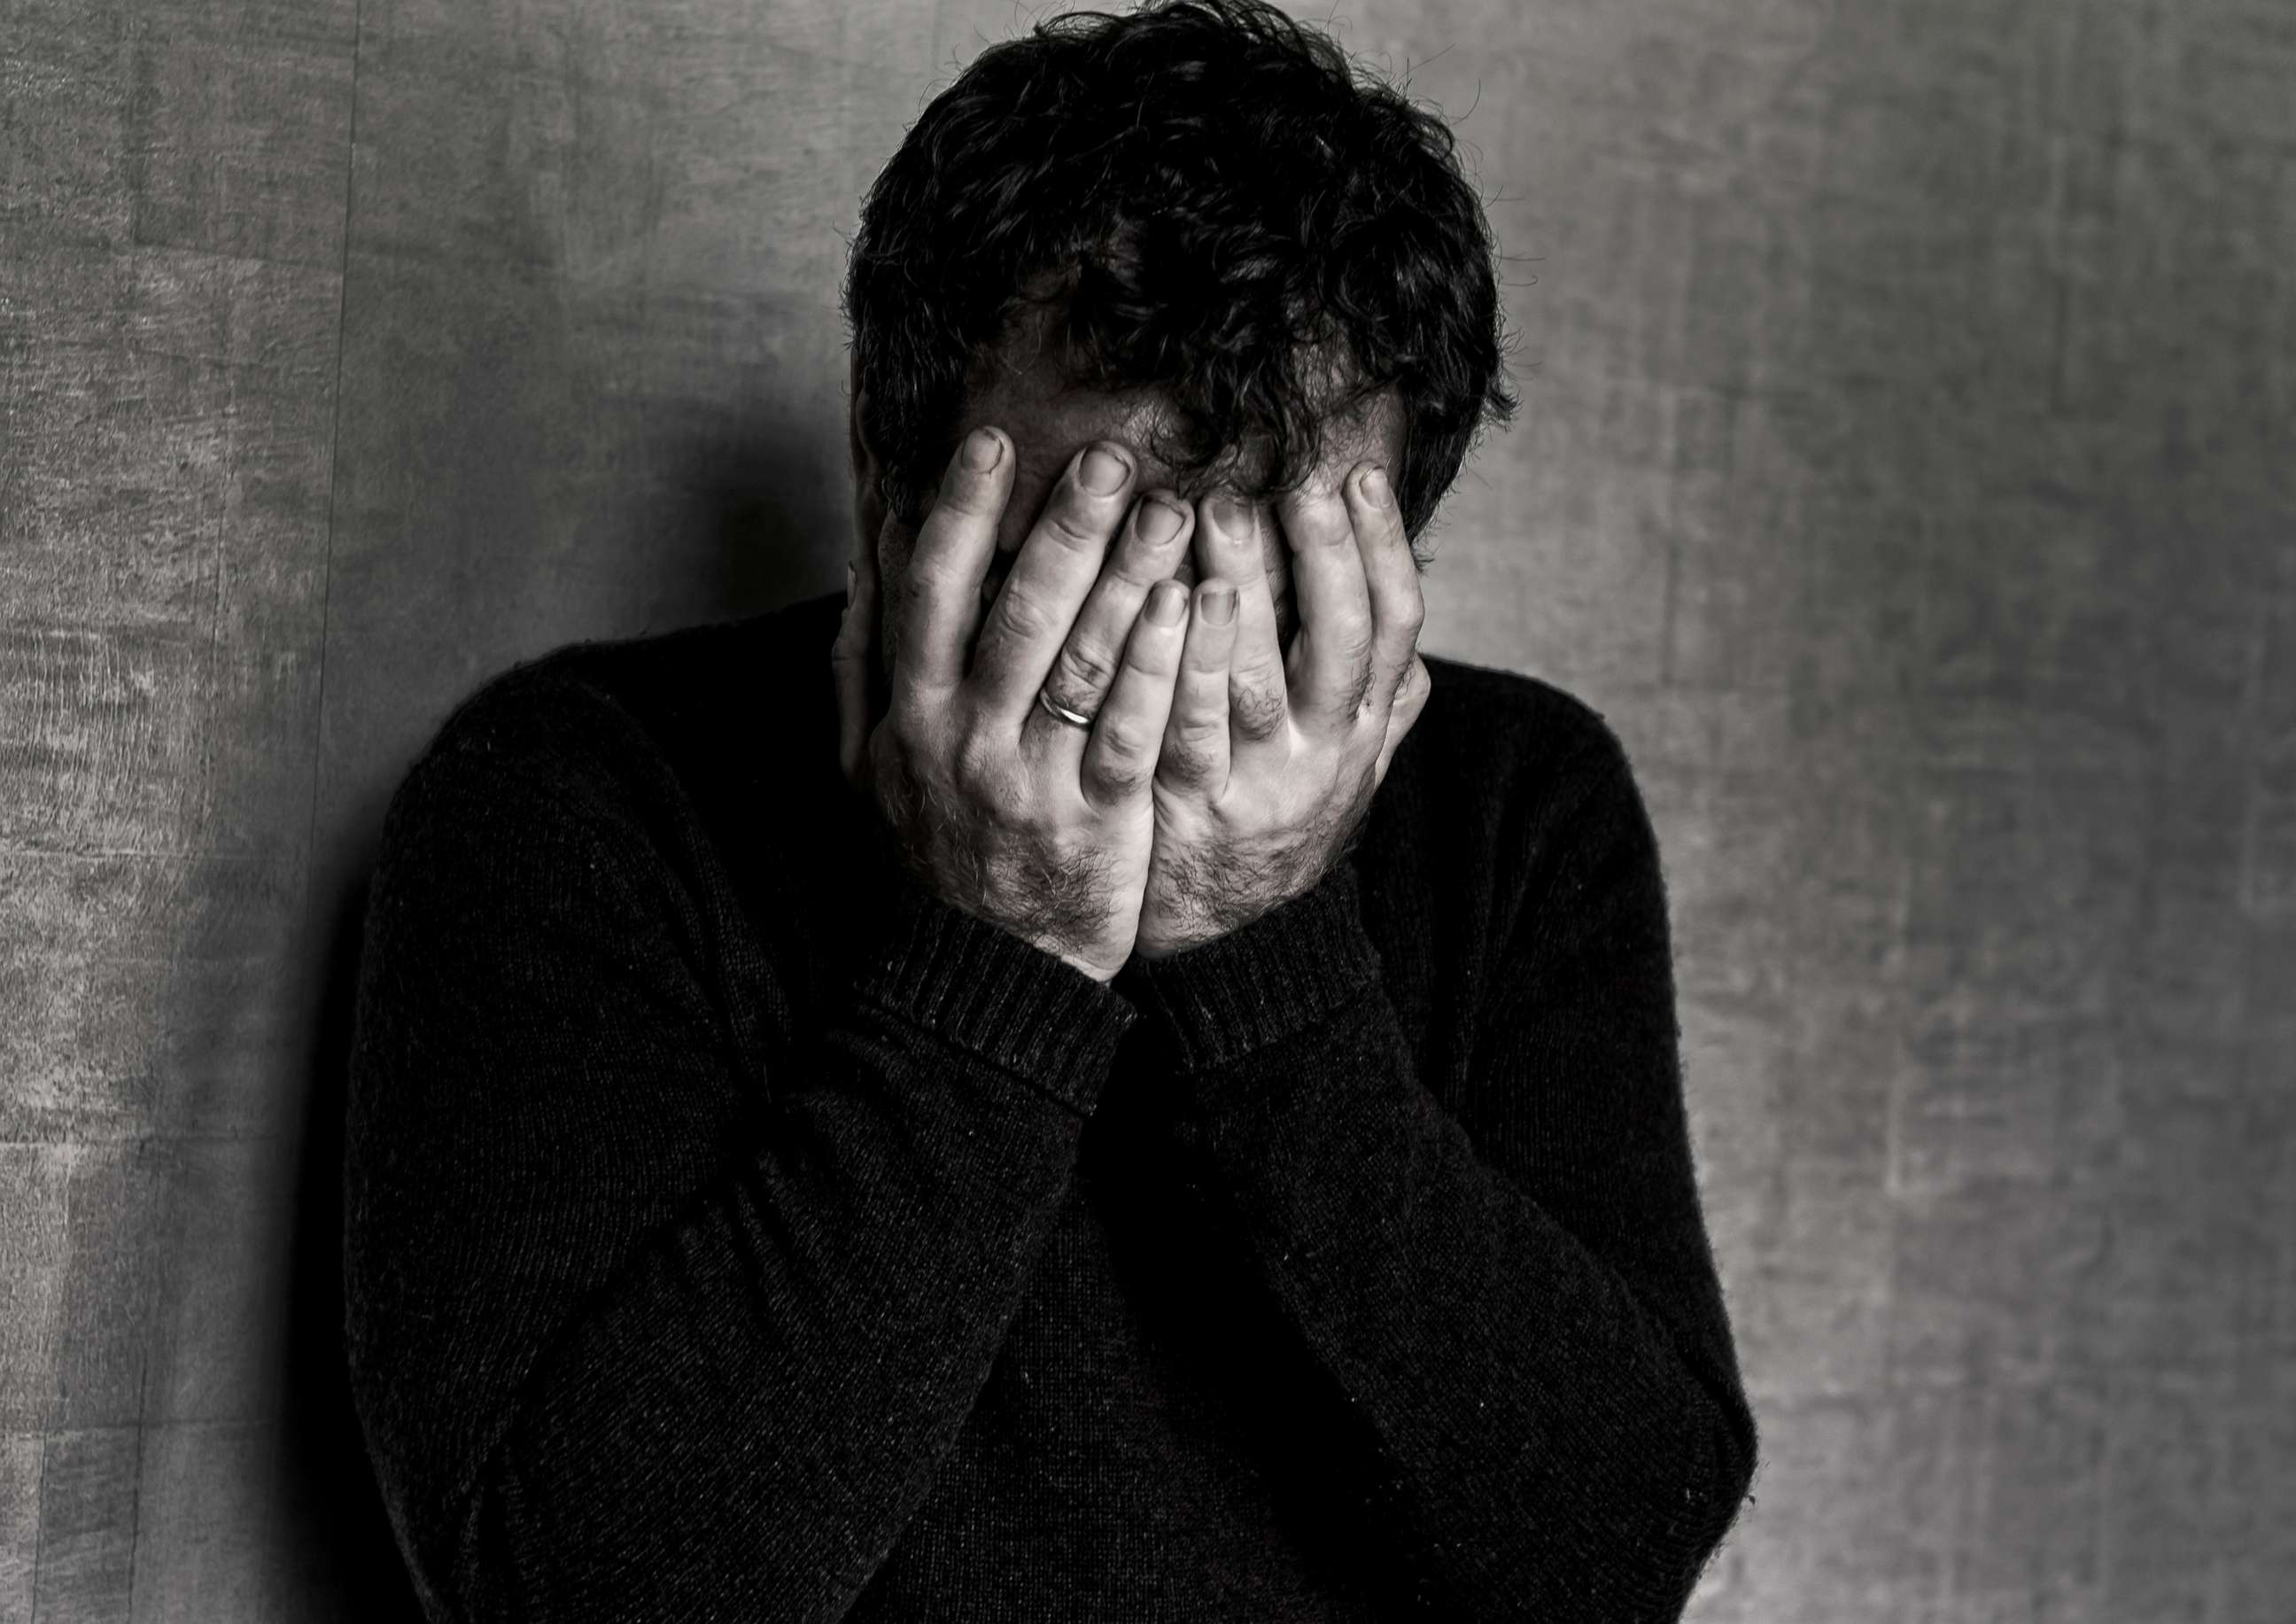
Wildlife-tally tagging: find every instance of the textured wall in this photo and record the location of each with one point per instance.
(1908, 468)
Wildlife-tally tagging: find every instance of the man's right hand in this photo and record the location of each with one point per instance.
(1034, 823)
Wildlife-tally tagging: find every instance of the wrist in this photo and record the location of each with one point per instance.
(1084, 964)
(1269, 978)
(979, 987)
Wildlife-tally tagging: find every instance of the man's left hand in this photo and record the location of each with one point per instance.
(1270, 760)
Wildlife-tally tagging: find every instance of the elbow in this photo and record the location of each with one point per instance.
(1735, 1450)
(1717, 1450)
(1648, 1539)
(1718, 1471)
(449, 1541)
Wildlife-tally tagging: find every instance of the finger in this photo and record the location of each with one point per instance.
(1228, 549)
(1195, 756)
(1398, 607)
(939, 604)
(1410, 702)
(1154, 541)
(1055, 569)
(1119, 760)
(1329, 672)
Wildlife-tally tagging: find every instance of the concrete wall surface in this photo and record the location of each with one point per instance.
(1907, 469)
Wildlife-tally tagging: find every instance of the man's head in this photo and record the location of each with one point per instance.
(1192, 229)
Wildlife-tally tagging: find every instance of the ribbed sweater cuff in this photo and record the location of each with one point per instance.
(1285, 971)
(984, 990)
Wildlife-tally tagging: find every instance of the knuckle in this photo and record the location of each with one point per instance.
(1197, 726)
(929, 566)
(1193, 741)
(1004, 799)
(934, 585)
(1257, 711)
(1025, 615)
(1264, 673)
(904, 720)
(1084, 669)
(973, 760)
(1121, 742)
(1074, 528)
(1185, 761)
(1114, 778)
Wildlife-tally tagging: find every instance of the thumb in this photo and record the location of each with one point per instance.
(850, 657)
(1410, 700)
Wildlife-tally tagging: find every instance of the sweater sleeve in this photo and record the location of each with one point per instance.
(1519, 1296)
(635, 1331)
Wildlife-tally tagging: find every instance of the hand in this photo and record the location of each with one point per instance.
(1270, 762)
(1002, 810)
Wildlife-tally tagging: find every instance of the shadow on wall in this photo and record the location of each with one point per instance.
(750, 501)
(329, 1487)
(765, 506)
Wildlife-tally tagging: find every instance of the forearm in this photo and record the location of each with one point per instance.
(756, 1404)
(636, 1328)
(1554, 1448)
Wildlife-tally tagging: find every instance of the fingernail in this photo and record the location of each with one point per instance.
(982, 448)
(1103, 471)
(848, 583)
(1232, 514)
(1160, 520)
(1220, 603)
(1166, 602)
(1374, 485)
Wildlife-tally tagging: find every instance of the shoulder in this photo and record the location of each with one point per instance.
(622, 764)
(634, 711)
(645, 679)
(1517, 797)
(1496, 735)
(1524, 703)
(527, 761)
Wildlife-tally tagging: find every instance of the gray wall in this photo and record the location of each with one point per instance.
(1906, 468)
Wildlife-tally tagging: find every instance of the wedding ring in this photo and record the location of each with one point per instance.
(1054, 707)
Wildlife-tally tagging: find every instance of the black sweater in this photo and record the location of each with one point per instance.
(735, 1231)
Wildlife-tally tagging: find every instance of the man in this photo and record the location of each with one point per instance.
(1142, 1097)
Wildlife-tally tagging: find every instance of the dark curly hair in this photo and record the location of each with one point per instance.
(1223, 214)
